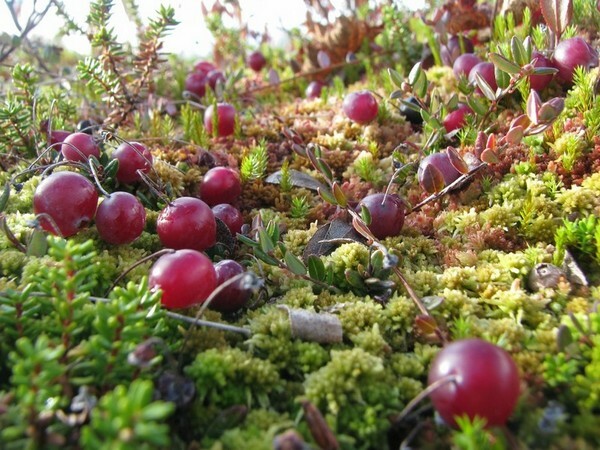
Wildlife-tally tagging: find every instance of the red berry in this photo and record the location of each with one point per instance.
(230, 215)
(441, 162)
(360, 107)
(213, 77)
(196, 83)
(120, 218)
(453, 50)
(486, 382)
(187, 222)
(464, 63)
(225, 119)
(457, 118)
(539, 82)
(57, 136)
(571, 53)
(256, 60)
(220, 185)
(314, 88)
(387, 214)
(185, 277)
(486, 71)
(79, 147)
(132, 156)
(204, 67)
(234, 296)
(69, 198)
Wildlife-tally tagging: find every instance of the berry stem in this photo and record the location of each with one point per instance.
(424, 393)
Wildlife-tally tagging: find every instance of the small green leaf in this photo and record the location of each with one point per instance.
(365, 215)
(354, 279)
(487, 90)
(414, 74)
(4, 197)
(265, 258)
(38, 245)
(293, 263)
(502, 78)
(266, 244)
(533, 105)
(324, 169)
(339, 195)
(504, 63)
(327, 195)
(396, 78)
(246, 240)
(518, 51)
(477, 104)
(316, 268)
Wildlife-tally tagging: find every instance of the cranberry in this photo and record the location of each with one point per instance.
(441, 162)
(486, 382)
(185, 277)
(360, 107)
(120, 218)
(132, 156)
(230, 215)
(69, 198)
(539, 82)
(453, 50)
(213, 77)
(571, 53)
(457, 118)
(486, 71)
(314, 89)
(204, 67)
(57, 136)
(79, 147)
(387, 214)
(220, 185)
(187, 222)
(196, 83)
(464, 63)
(256, 60)
(225, 119)
(234, 296)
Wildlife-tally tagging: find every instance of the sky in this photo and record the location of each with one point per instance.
(190, 38)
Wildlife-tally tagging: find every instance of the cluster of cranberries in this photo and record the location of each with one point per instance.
(67, 201)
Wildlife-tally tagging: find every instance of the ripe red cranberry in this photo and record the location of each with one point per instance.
(360, 107)
(453, 50)
(441, 161)
(571, 53)
(230, 215)
(204, 67)
(539, 82)
(464, 63)
(225, 119)
(56, 136)
(314, 89)
(256, 60)
(387, 214)
(234, 296)
(220, 185)
(486, 382)
(132, 156)
(185, 277)
(213, 77)
(120, 218)
(79, 147)
(69, 198)
(457, 118)
(187, 222)
(196, 83)
(486, 71)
